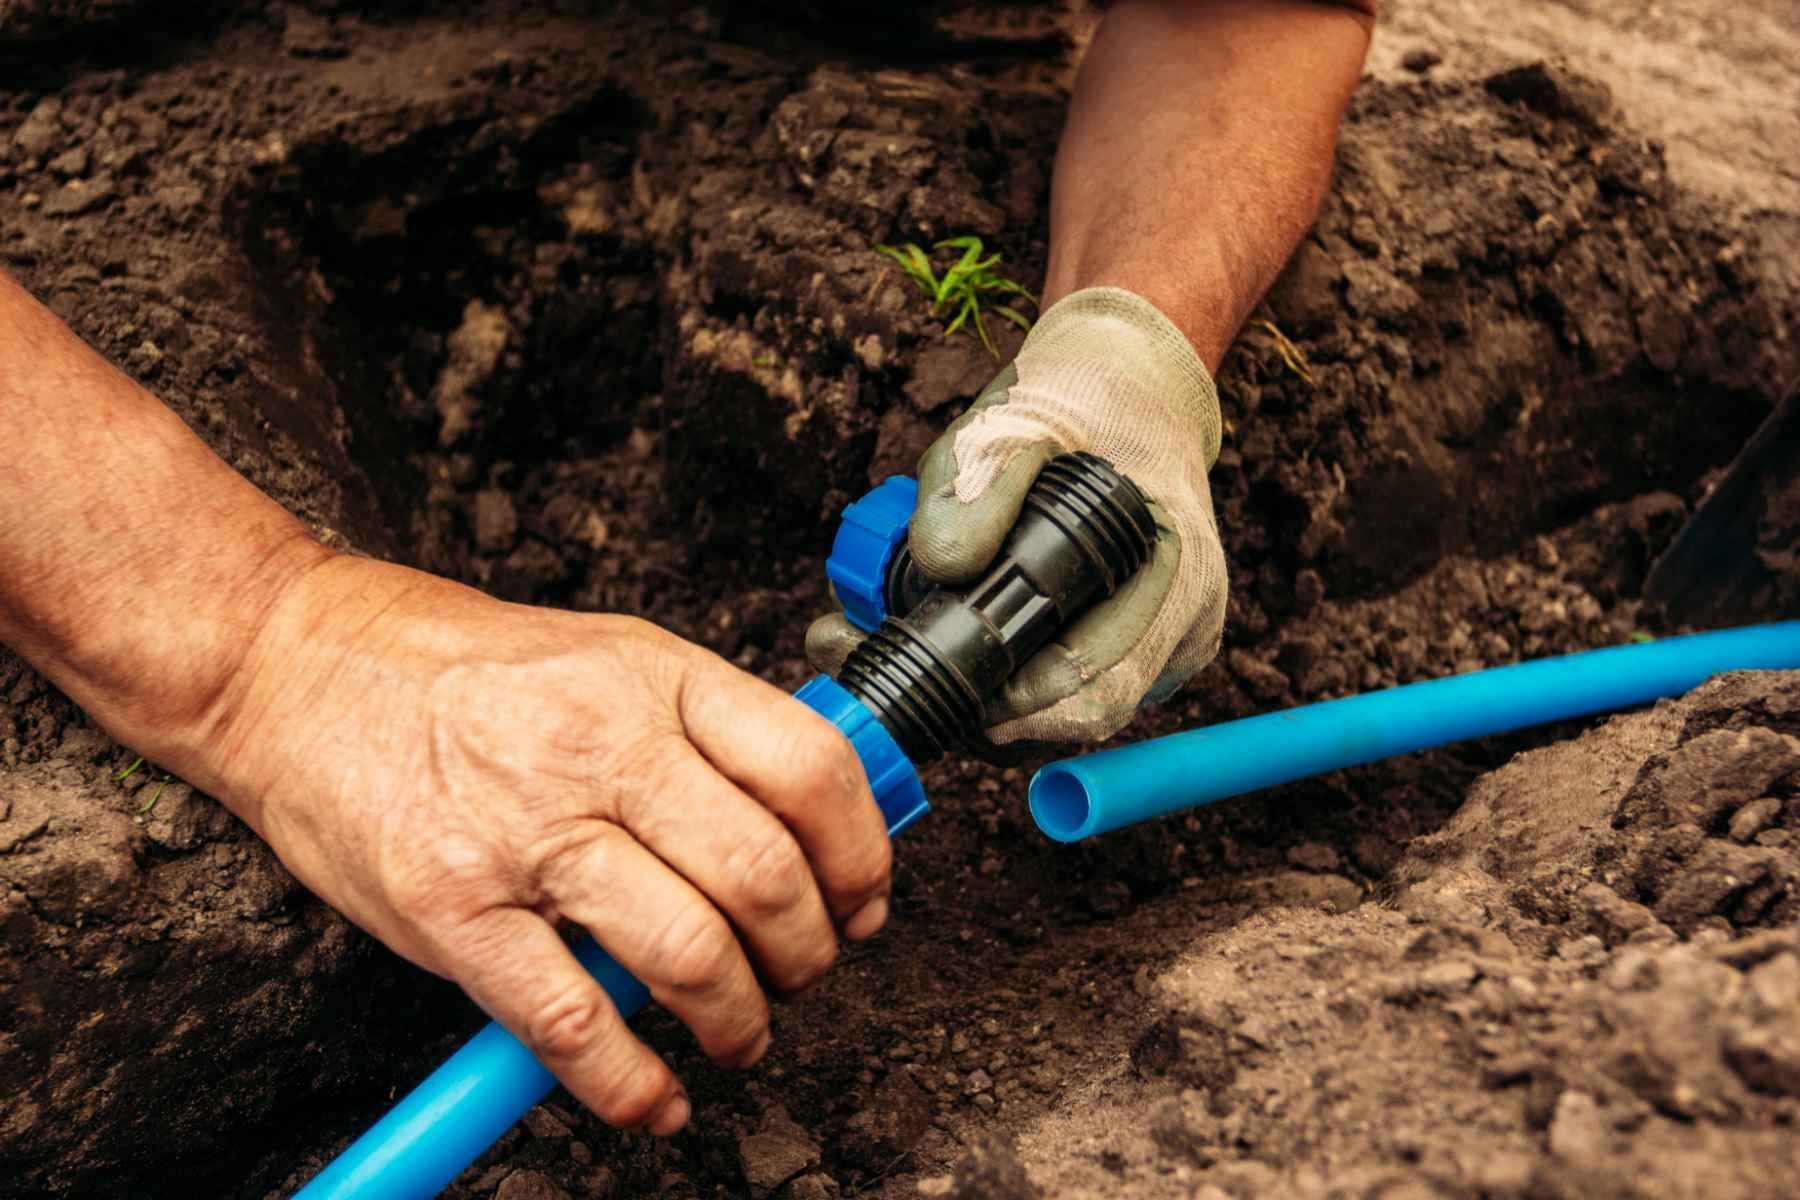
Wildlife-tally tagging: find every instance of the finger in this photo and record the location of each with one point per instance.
(1198, 648)
(1098, 641)
(745, 861)
(803, 770)
(513, 964)
(665, 932)
(829, 641)
(1200, 645)
(954, 539)
(1173, 678)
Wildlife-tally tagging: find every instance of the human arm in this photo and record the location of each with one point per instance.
(1197, 150)
(1198, 147)
(457, 775)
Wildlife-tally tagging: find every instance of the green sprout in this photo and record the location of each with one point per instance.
(963, 289)
(150, 804)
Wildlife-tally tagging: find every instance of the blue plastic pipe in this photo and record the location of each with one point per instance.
(460, 1109)
(483, 1089)
(1079, 797)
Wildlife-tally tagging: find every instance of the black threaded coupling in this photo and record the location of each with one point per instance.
(1083, 530)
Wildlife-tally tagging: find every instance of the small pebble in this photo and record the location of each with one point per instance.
(1420, 60)
(1753, 818)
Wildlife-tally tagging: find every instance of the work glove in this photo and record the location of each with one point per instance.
(1102, 371)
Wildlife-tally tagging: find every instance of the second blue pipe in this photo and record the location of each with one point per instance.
(1079, 797)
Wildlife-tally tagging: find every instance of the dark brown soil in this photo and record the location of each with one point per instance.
(582, 309)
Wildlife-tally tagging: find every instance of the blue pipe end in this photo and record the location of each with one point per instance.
(1060, 803)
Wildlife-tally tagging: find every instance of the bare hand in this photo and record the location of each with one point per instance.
(459, 776)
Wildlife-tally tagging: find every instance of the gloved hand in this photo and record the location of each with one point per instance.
(1102, 371)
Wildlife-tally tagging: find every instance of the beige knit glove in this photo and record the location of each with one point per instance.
(1102, 371)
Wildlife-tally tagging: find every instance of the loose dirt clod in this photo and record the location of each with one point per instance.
(778, 1151)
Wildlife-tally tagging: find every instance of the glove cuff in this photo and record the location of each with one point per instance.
(1106, 331)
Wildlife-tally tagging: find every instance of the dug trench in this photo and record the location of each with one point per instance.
(585, 311)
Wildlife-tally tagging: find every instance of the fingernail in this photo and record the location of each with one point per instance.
(673, 1116)
(868, 920)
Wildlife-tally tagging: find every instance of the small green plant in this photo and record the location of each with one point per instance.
(964, 288)
(150, 804)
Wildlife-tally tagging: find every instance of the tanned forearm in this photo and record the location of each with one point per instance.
(457, 775)
(1198, 148)
(134, 564)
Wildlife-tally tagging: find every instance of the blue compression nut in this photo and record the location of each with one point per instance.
(871, 531)
(892, 776)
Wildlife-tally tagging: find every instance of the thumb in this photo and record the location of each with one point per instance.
(829, 641)
(952, 538)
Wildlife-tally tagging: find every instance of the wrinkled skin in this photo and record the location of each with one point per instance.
(460, 776)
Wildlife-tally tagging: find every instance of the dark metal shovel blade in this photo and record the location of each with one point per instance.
(1738, 559)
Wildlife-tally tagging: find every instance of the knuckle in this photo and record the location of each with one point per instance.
(572, 852)
(636, 1099)
(824, 763)
(772, 874)
(567, 1026)
(651, 769)
(870, 867)
(697, 950)
(747, 1034)
(442, 877)
(657, 661)
(812, 964)
(805, 962)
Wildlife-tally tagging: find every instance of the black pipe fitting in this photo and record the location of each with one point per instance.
(1083, 530)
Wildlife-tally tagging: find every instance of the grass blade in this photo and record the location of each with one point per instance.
(981, 329)
(1013, 315)
(968, 306)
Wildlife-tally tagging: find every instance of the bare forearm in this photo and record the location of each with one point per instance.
(134, 564)
(459, 776)
(1198, 147)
